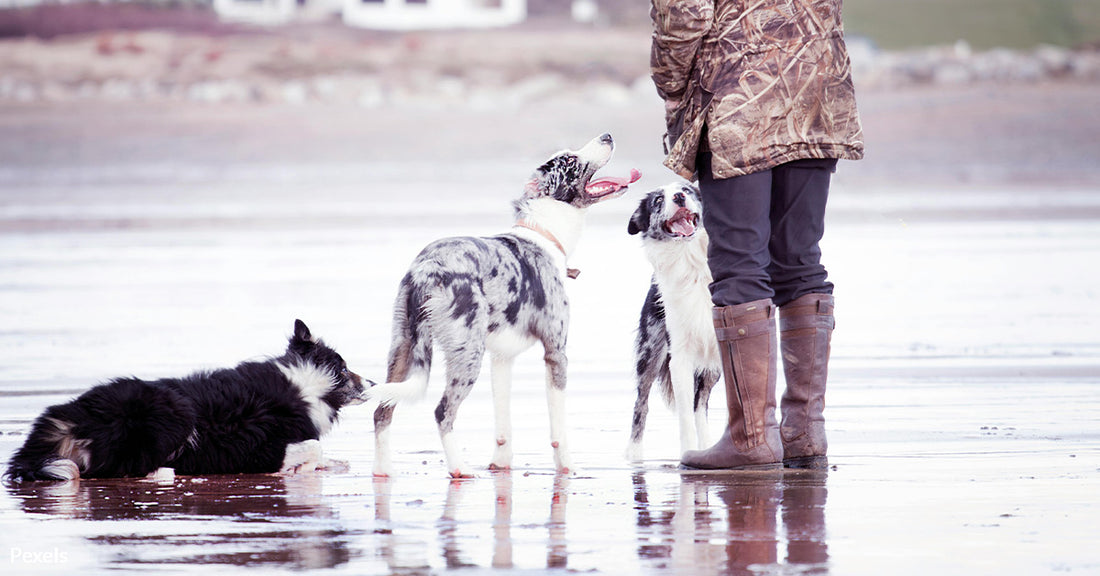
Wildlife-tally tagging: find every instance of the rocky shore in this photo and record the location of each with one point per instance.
(482, 69)
(959, 64)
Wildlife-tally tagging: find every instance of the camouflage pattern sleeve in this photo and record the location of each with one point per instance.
(769, 79)
(679, 27)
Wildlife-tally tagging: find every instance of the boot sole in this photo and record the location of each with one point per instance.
(807, 462)
(746, 468)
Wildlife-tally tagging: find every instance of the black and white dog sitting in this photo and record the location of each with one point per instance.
(259, 417)
(501, 294)
(676, 344)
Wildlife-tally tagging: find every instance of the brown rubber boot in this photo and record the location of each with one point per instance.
(746, 339)
(805, 331)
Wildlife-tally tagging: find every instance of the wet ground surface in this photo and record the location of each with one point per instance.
(962, 414)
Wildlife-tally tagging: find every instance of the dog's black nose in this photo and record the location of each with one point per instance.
(605, 138)
(679, 199)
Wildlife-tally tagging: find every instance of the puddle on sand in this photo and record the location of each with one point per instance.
(651, 520)
(614, 521)
(248, 520)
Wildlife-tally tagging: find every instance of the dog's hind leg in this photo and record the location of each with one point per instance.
(556, 364)
(502, 410)
(637, 427)
(704, 382)
(409, 365)
(651, 366)
(463, 366)
(683, 390)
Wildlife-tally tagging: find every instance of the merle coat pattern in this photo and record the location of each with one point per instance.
(675, 345)
(500, 294)
(258, 417)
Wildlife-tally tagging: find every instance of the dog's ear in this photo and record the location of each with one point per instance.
(531, 189)
(558, 178)
(639, 221)
(301, 331)
(302, 340)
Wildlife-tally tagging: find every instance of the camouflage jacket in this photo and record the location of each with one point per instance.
(769, 79)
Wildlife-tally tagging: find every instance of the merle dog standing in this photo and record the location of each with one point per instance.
(501, 294)
(258, 417)
(675, 345)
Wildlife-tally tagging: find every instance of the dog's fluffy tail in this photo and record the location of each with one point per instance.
(392, 393)
(52, 452)
(52, 469)
(410, 357)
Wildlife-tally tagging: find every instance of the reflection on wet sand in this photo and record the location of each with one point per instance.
(449, 525)
(502, 521)
(237, 520)
(394, 551)
(730, 522)
(557, 554)
(459, 530)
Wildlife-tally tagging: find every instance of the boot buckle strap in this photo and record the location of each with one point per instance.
(729, 333)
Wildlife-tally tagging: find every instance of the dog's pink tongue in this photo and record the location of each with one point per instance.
(682, 227)
(611, 184)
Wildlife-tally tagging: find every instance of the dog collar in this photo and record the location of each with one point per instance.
(570, 272)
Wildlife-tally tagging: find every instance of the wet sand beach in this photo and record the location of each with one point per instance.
(964, 394)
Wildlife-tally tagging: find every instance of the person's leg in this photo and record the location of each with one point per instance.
(805, 304)
(800, 191)
(735, 215)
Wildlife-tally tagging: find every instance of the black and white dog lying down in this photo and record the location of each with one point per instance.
(676, 345)
(259, 417)
(501, 294)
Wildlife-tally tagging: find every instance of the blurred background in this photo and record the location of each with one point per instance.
(158, 158)
(891, 24)
(996, 70)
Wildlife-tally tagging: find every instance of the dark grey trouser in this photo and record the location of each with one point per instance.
(764, 231)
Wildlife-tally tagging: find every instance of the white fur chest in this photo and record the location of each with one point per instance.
(681, 272)
(312, 383)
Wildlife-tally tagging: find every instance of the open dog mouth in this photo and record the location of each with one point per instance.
(604, 187)
(683, 223)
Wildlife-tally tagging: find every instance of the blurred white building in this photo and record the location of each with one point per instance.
(433, 14)
(374, 14)
(380, 14)
(257, 11)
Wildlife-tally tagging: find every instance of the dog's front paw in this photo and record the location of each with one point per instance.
(382, 469)
(502, 457)
(162, 476)
(461, 472)
(563, 463)
(332, 465)
(304, 456)
(566, 470)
